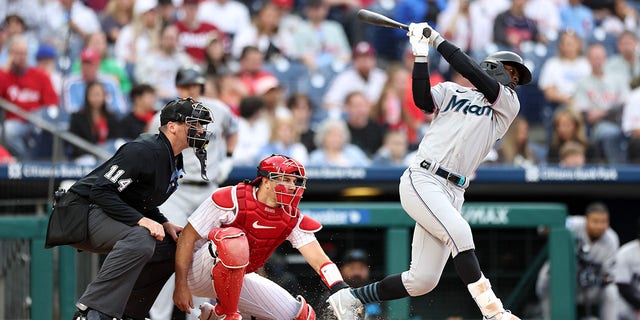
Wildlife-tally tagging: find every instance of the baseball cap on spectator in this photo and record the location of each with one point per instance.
(355, 255)
(363, 48)
(283, 3)
(265, 84)
(142, 6)
(46, 51)
(89, 55)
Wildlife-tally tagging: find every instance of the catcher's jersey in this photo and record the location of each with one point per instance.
(465, 126)
(209, 216)
(627, 266)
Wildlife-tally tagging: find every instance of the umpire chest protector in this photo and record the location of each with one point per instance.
(265, 227)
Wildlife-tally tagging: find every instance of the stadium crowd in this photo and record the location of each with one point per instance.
(306, 78)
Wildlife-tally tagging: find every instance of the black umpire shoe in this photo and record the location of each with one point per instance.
(91, 314)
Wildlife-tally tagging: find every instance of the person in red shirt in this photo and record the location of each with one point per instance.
(30, 89)
(193, 33)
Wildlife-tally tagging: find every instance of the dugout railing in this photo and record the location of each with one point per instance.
(53, 272)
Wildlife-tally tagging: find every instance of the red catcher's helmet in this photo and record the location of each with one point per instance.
(290, 178)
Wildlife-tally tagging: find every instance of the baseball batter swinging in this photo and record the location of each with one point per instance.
(467, 123)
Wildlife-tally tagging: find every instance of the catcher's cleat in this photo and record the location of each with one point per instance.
(345, 305)
(505, 315)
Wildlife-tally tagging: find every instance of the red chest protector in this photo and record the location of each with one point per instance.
(266, 227)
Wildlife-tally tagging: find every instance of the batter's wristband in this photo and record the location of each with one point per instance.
(330, 274)
(338, 286)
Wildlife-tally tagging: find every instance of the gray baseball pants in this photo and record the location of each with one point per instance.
(135, 269)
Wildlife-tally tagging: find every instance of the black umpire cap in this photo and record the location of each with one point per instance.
(178, 110)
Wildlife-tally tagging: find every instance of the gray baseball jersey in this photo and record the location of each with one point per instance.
(627, 271)
(466, 126)
(461, 134)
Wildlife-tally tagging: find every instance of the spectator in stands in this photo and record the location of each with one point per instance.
(365, 132)
(272, 93)
(483, 13)
(600, 97)
(230, 16)
(572, 155)
(546, 14)
(69, 23)
(515, 148)
(364, 76)
(167, 11)
(93, 123)
(74, 85)
(254, 130)
(569, 126)
(394, 150)
(301, 108)
(285, 140)
(143, 99)
(626, 63)
(626, 12)
(115, 17)
(627, 277)
(263, 33)
(252, 69)
(575, 16)
(560, 74)
(35, 20)
(511, 28)
(391, 110)
(596, 246)
(231, 90)
(14, 25)
(216, 60)
(161, 64)
(193, 34)
(334, 148)
(28, 88)
(455, 23)
(321, 42)
(110, 66)
(46, 57)
(631, 121)
(136, 39)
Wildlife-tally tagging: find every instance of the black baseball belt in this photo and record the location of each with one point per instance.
(457, 179)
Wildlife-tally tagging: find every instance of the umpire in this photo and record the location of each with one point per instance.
(119, 202)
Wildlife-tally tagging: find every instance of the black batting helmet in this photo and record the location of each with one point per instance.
(190, 75)
(494, 66)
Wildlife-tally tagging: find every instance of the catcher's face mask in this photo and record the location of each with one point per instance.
(290, 180)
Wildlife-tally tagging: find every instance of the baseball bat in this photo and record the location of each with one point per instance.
(377, 19)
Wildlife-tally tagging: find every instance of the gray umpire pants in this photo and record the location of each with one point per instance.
(135, 269)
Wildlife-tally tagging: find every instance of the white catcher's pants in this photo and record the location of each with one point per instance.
(440, 231)
(260, 297)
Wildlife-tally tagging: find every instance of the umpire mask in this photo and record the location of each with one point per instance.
(197, 117)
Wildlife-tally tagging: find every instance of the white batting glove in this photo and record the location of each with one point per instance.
(419, 44)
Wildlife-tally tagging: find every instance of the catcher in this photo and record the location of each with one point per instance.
(234, 232)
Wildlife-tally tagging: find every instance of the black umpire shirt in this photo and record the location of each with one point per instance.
(135, 181)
